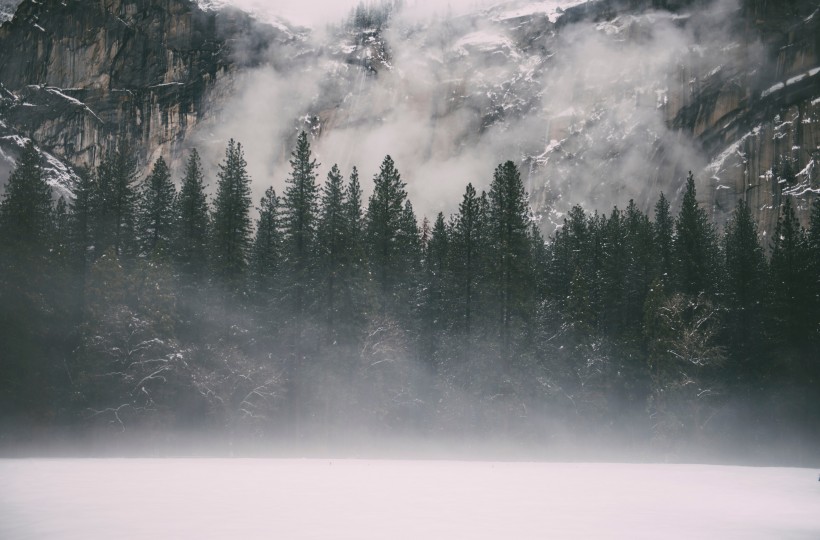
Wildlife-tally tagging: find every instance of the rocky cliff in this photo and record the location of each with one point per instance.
(602, 101)
(759, 121)
(78, 76)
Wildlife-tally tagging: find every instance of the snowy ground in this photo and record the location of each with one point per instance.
(295, 499)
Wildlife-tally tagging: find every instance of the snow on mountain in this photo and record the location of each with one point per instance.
(58, 175)
(7, 8)
(274, 14)
(599, 103)
(552, 9)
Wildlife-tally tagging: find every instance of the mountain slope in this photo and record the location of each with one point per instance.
(601, 102)
(79, 76)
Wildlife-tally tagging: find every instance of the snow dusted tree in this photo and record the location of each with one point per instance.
(510, 269)
(436, 294)
(266, 251)
(790, 281)
(26, 273)
(333, 244)
(814, 262)
(410, 252)
(684, 368)
(128, 368)
(231, 219)
(156, 210)
(467, 249)
(355, 295)
(26, 215)
(385, 221)
(614, 261)
(745, 293)
(299, 219)
(192, 232)
(663, 229)
(695, 249)
(116, 203)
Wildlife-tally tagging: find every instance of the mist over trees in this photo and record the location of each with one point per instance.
(135, 306)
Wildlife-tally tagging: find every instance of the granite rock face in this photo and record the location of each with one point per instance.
(79, 76)
(760, 123)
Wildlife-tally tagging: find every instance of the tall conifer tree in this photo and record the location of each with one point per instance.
(26, 268)
(695, 249)
(745, 290)
(384, 227)
(663, 231)
(466, 266)
(192, 227)
(265, 258)
(299, 220)
(26, 210)
(510, 266)
(814, 262)
(333, 243)
(436, 263)
(116, 203)
(790, 280)
(156, 210)
(231, 218)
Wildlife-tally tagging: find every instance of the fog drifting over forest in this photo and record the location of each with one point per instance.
(584, 108)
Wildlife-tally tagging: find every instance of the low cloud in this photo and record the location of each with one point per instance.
(585, 110)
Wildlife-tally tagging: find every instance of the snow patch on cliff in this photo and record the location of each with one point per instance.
(552, 9)
(7, 9)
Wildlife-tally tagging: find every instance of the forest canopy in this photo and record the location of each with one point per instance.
(141, 306)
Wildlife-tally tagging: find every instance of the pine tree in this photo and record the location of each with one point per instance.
(569, 253)
(231, 218)
(156, 215)
(539, 257)
(790, 280)
(466, 265)
(299, 219)
(384, 227)
(613, 273)
(663, 230)
(26, 269)
(640, 267)
(192, 231)
(81, 233)
(695, 249)
(353, 281)
(410, 246)
(115, 203)
(265, 258)
(61, 255)
(510, 267)
(814, 262)
(745, 291)
(333, 245)
(353, 203)
(436, 263)
(26, 210)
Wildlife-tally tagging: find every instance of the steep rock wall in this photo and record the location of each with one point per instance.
(87, 74)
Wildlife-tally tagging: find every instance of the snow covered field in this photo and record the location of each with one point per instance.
(295, 499)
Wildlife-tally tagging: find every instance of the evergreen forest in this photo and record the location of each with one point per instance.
(147, 306)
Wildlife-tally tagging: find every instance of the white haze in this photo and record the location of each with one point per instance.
(314, 13)
(586, 116)
(306, 499)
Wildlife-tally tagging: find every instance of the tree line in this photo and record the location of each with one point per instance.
(135, 305)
